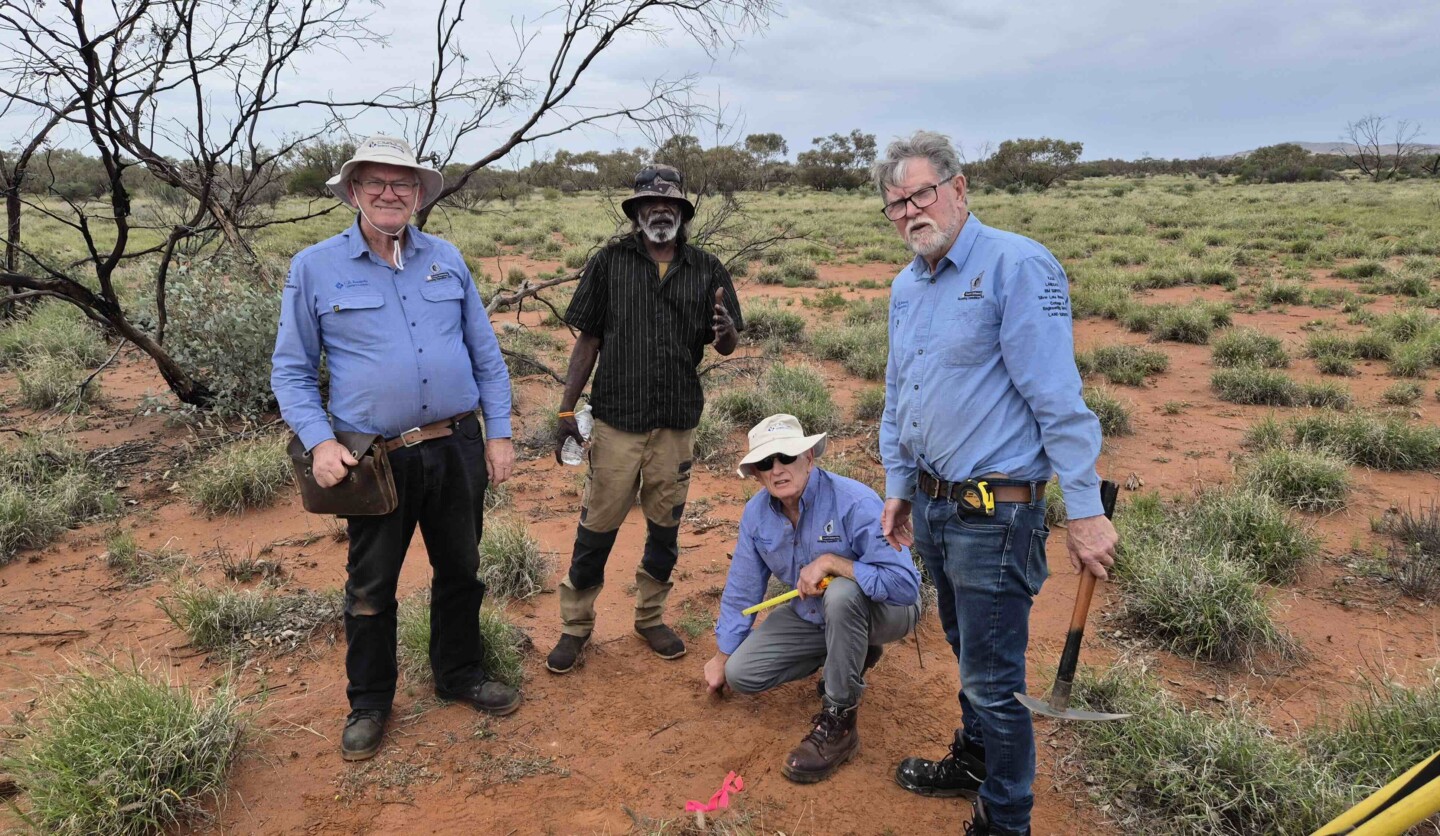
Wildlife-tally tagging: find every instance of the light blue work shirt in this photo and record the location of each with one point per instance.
(405, 348)
(981, 377)
(838, 516)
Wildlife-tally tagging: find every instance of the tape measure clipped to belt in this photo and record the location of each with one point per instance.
(974, 496)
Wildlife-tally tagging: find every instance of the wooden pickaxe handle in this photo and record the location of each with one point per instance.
(1070, 658)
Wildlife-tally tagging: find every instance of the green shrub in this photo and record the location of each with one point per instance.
(1412, 359)
(1380, 737)
(1325, 395)
(712, 434)
(830, 300)
(1304, 479)
(1373, 345)
(504, 645)
(870, 403)
(1114, 416)
(45, 487)
(239, 622)
(511, 563)
(1415, 549)
(1361, 270)
(245, 474)
(1254, 386)
(1248, 347)
(765, 322)
(1382, 443)
(222, 319)
(862, 349)
(124, 751)
(1250, 529)
(1281, 293)
(1402, 394)
(1335, 364)
(865, 311)
(1191, 323)
(52, 329)
(795, 390)
(1123, 364)
(48, 381)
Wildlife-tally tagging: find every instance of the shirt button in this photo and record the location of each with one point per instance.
(424, 406)
(932, 281)
(412, 325)
(421, 350)
(914, 423)
(425, 380)
(917, 387)
(403, 298)
(921, 351)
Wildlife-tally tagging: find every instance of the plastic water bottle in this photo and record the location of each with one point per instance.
(572, 453)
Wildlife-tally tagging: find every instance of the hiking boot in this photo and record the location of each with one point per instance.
(364, 729)
(832, 741)
(872, 656)
(958, 773)
(484, 695)
(979, 825)
(662, 640)
(566, 654)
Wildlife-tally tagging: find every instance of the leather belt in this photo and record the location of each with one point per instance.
(1024, 492)
(429, 432)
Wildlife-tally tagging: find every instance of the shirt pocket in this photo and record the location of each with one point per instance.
(974, 335)
(443, 290)
(355, 318)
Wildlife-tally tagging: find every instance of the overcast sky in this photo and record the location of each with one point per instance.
(1125, 77)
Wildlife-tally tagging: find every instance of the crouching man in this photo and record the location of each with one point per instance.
(805, 526)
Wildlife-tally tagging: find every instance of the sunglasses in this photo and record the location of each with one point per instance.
(650, 175)
(768, 462)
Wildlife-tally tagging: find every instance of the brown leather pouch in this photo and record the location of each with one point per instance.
(368, 490)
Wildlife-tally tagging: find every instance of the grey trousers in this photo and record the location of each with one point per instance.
(786, 647)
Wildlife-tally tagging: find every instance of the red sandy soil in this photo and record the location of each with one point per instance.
(629, 732)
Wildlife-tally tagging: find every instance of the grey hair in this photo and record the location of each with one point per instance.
(929, 145)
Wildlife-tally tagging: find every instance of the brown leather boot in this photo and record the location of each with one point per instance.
(832, 741)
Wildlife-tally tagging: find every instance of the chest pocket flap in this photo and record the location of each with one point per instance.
(351, 302)
(442, 290)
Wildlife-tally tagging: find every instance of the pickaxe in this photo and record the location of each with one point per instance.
(1058, 705)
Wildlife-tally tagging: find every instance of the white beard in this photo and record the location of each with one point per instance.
(928, 240)
(659, 236)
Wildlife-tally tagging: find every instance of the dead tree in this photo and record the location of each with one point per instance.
(1367, 147)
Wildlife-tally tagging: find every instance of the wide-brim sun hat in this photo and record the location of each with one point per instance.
(387, 150)
(778, 434)
(659, 181)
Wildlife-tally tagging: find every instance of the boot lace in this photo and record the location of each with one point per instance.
(825, 726)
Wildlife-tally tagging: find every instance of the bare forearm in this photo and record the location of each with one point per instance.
(582, 363)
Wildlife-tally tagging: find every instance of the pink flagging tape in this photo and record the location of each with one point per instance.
(721, 799)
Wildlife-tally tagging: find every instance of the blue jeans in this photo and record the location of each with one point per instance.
(988, 570)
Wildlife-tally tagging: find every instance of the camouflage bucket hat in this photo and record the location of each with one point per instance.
(659, 181)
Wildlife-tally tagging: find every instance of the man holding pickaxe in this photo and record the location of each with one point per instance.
(819, 533)
(982, 405)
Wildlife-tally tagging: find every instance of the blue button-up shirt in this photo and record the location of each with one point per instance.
(982, 377)
(404, 347)
(837, 516)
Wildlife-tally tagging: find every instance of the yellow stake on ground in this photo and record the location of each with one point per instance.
(778, 599)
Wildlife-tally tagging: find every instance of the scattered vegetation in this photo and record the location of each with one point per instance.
(1306, 479)
(240, 622)
(862, 349)
(504, 644)
(511, 563)
(796, 390)
(1248, 347)
(1251, 385)
(244, 474)
(46, 486)
(1123, 364)
(1114, 416)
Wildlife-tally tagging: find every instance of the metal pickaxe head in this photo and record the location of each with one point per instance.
(1059, 705)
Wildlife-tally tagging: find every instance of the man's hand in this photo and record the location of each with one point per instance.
(499, 459)
(1092, 542)
(715, 674)
(721, 321)
(566, 428)
(331, 463)
(808, 582)
(895, 523)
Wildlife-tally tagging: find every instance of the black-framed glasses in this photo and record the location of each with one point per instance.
(895, 209)
(768, 462)
(375, 188)
(650, 175)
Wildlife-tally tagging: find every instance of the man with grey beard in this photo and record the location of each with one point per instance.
(646, 307)
(982, 405)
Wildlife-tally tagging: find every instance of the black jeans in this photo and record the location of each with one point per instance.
(441, 486)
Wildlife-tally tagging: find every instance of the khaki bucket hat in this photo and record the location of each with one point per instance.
(390, 151)
(778, 434)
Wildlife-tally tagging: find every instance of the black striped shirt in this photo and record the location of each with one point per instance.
(652, 332)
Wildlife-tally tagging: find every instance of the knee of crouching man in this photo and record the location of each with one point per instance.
(842, 593)
(738, 681)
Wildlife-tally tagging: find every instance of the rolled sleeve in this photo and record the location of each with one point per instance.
(1037, 343)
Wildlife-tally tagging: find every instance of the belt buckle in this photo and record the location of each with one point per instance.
(405, 437)
(935, 494)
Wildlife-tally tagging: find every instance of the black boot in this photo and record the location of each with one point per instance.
(958, 773)
(833, 739)
(979, 825)
(364, 729)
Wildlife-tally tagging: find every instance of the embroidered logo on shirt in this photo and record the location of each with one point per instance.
(346, 284)
(830, 536)
(975, 292)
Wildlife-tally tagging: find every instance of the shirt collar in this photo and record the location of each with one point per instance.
(415, 240)
(958, 252)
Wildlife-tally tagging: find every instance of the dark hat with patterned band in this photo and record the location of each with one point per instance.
(659, 181)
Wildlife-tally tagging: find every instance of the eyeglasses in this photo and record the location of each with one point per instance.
(895, 210)
(768, 462)
(650, 175)
(375, 188)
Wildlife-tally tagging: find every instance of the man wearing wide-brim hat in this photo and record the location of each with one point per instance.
(819, 533)
(411, 357)
(647, 305)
